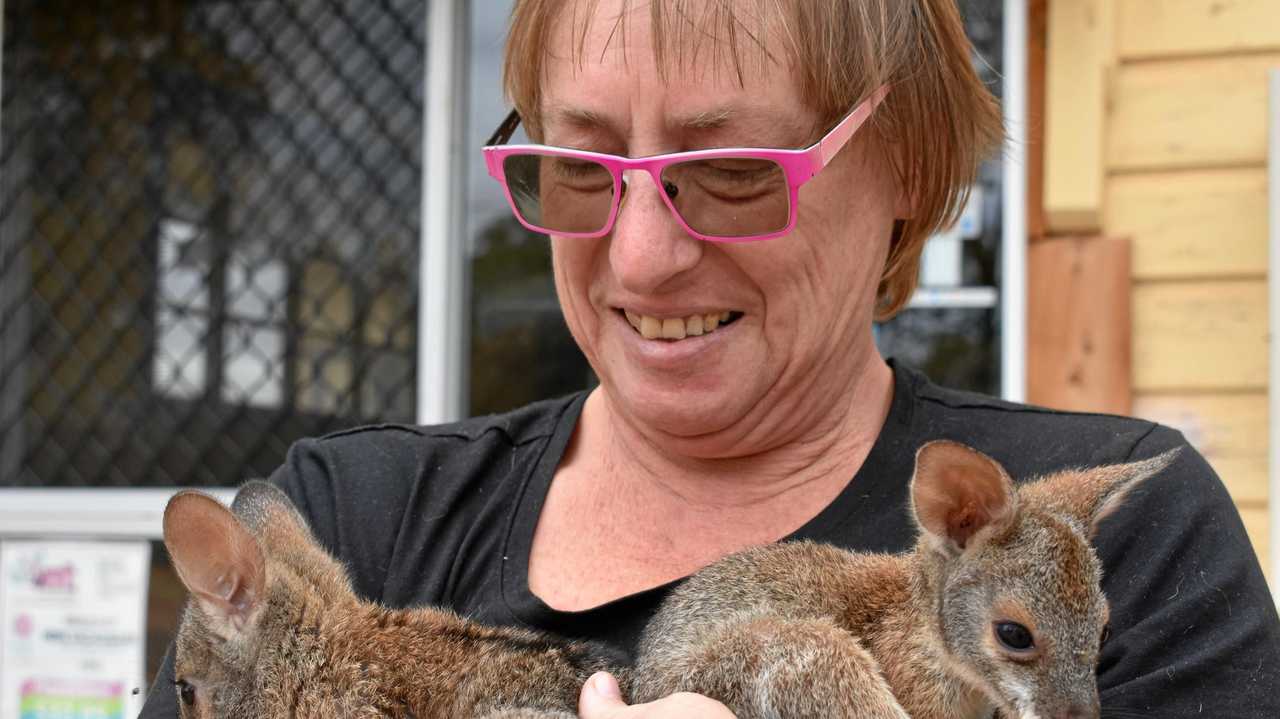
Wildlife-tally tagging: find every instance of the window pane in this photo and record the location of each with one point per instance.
(521, 350)
(384, 393)
(183, 268)
(952, 330)
(325, 371)
(168, 172)
(253, 366)
(256, 287)
(179, 359)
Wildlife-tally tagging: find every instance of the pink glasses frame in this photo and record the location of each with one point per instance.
(800, 166)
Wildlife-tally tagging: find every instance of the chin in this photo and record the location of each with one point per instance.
(686, 409)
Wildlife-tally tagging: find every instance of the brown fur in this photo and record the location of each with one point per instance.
(801, 630)
(274, 629)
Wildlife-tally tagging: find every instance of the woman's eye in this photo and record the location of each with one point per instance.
(186, 692)
(1014, 636)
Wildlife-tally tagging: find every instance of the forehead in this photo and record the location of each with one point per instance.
(622, 64)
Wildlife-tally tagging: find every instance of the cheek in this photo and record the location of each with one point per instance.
(573, 263)
(843, 244)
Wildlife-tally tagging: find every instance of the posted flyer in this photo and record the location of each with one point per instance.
(72, 629)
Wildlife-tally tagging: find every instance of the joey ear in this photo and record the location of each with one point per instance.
(264, 507)
(1091, 495)
(272, 517)
(217, 559)
(957, 492)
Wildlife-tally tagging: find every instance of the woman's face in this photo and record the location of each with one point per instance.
(801, 306)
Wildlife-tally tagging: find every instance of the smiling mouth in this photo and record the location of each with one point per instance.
(678, 328)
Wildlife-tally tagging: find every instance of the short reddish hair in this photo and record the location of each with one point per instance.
(940, 120)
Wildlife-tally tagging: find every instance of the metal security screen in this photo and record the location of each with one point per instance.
(209, 232)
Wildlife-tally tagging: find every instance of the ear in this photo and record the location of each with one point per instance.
(957, 492)
(264, 507)
(1091, 495)
(267, 511)
(217, 559)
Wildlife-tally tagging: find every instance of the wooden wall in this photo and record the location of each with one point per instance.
(1183, 176)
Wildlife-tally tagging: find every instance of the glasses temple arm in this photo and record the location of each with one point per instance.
(504, 132)
(840, 134)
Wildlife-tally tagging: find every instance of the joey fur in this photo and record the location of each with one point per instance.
(273, 629)
(806, 631)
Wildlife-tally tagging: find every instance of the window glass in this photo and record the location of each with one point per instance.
(951, 331)
(210, 228)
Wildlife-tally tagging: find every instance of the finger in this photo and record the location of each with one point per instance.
(600, 697)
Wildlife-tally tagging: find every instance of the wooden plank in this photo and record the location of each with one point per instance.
(1079, 55)
(1204, 223)
(1037, 41)
(1256, 524)
(1230, 430)
(1204, 112)
(1078, 331)
(1200, 336)
(1162, 28)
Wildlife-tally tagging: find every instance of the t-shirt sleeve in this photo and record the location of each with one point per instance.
(350, 488)
(1194, 630)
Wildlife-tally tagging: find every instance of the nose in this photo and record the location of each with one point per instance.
(648, 247)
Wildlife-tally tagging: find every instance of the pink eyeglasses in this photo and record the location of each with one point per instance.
(721, 195)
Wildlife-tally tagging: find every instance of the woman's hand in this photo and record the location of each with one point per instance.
(601, 699)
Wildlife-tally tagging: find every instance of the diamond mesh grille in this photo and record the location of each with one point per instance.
(209, 221)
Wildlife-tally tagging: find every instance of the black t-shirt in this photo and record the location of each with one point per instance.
(445, 515)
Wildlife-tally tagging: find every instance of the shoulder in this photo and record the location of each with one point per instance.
(369, 491)
(1188, 598)
(403, 448)
(387, 465)
(1031, 440)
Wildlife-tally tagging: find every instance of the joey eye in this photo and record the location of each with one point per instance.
(1014, 636)
(1106, 634)
(186, 691)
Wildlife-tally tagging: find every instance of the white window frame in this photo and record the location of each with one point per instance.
(1013, 249)
(444, 279)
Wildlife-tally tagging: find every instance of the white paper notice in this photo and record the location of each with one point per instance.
(72, 629)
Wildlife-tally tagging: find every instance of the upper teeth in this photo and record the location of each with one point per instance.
(675, 328)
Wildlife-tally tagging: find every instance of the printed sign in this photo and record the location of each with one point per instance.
(72, 629)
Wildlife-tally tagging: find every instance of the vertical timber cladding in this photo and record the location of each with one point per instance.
(1186, 159)
(211, 216)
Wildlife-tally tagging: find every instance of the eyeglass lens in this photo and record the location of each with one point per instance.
(721, 197)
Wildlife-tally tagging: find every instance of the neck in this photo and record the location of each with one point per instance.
(796, 448)
(661, 507)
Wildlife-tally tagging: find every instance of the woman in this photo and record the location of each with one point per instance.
(742, 399)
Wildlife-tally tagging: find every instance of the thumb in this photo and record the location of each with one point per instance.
(600, 697)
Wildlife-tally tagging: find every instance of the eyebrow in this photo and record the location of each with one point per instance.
(709, 120)
(578, 117)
